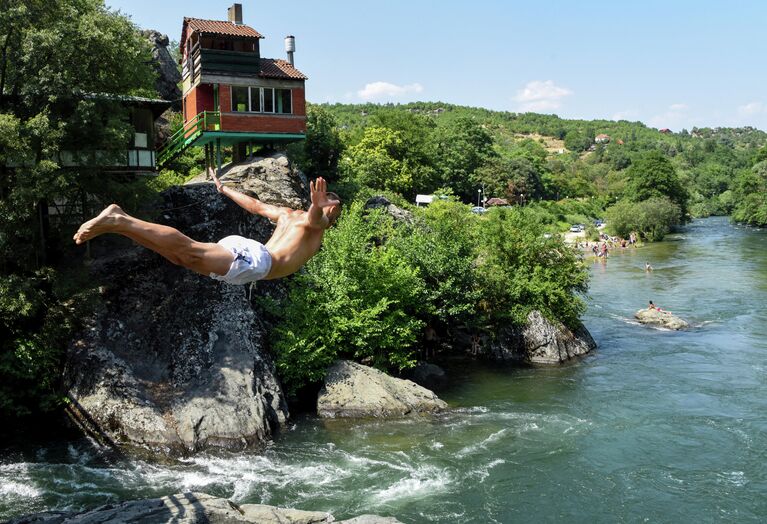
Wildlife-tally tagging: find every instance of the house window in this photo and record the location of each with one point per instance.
(239, 99)
(268, 100)
(284, 101)
(255, 99)
(261, 100)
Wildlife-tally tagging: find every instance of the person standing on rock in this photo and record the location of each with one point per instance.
(234, 259)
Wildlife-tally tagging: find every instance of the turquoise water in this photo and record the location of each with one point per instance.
(655, 425)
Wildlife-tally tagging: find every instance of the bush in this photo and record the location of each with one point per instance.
(522, 270)
(652, 218)
(371, 290)
(357, 298)
(38, 318)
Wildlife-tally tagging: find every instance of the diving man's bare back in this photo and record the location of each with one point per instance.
(296, 238)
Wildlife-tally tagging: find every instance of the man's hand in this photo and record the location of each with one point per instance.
(219, 185)
(319, 190)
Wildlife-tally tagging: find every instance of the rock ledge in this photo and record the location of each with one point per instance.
(352, 390)
(188, 508)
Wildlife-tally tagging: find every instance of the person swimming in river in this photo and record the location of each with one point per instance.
(647, 267)
(234, 259)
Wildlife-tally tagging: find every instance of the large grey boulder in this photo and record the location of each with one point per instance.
(656, 317)
(168, 75)
(355, 391)
(541, 341)
(271, 178)
(193, 508)
(173, 362)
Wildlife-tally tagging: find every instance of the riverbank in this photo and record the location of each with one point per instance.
(657, 425)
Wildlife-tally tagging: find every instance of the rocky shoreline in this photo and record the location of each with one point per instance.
(193, 508)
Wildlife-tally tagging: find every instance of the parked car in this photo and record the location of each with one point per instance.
(478, 210)
(575, 228)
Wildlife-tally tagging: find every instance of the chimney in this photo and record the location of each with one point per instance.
(290, 47)
(235, 14)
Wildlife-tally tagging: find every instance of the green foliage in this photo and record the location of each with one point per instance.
(577, 141)
(356, 299)
(63, 67)
(652, 218)
(36, 319)
(751, 196)
(653, 176)
(462, 145)
(522, 270)
(319, 154)
(374, 286)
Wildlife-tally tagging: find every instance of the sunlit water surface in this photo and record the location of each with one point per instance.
(655, 425)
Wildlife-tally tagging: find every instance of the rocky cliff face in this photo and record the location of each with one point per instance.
(168, 76)
(175, 362)
(541, 341)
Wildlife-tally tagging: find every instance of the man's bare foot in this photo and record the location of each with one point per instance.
(103, 223)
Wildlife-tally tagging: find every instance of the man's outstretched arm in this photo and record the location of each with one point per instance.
(248, 203)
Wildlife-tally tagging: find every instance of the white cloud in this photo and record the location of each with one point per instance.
(624, 115)
(379, 90)
(674, 117)
(752, 108)
(539, 95)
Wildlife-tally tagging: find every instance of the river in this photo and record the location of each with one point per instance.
(654, 426)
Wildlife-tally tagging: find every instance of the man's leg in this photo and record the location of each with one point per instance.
(202, 257)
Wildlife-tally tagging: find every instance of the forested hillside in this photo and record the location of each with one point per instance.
(418, 147)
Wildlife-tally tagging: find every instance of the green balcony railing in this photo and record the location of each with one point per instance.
(187, 135)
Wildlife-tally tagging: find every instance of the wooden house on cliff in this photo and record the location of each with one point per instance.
(231, 94)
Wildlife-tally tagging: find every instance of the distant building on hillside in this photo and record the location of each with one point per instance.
(602, 139)
(665, 130)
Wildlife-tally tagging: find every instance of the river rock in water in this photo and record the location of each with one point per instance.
(193, 508)
(541, 341)
(353, 390)
(657, 317)
(174, 362)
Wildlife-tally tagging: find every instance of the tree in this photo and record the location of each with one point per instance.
(461, 146)
(322, 149)
(577, 141)
(652, 218)
(510, 178)
(377, 161)
(63, 66)
(653, 175)
(751, 195)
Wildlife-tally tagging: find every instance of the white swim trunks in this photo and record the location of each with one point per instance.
(252, 260)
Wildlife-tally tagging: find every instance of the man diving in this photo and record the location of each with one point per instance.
(234, 259)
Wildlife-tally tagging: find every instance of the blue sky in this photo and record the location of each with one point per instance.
(674, 64)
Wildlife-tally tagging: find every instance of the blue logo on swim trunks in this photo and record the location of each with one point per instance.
(244, 255)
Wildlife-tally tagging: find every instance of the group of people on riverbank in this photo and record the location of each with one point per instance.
(602, 247)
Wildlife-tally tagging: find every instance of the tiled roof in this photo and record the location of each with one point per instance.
(276, 68)
(221, 27)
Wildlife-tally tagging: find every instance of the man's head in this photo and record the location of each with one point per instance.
(332, 212)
